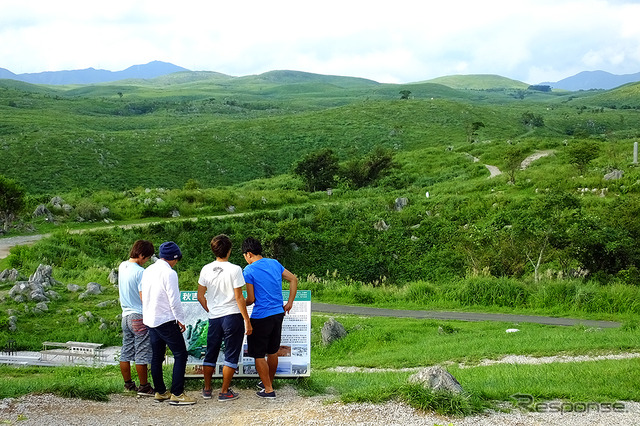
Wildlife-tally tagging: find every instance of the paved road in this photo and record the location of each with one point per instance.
(461, 316)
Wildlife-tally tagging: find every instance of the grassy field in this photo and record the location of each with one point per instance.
(553, 238)
(391, 346)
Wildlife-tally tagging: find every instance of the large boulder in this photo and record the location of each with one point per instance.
(40, 308)
(93, 288)
(42, 275)
(20, 288)
(400, 203)
(380, 225)
(73, 287)
(13, 321)
(437, 379)
(42, 210)
(10, 275)
(113, 276)
(37, 288)
(331, 331)
(614, 175)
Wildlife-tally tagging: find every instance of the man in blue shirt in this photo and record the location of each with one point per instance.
(263, 277)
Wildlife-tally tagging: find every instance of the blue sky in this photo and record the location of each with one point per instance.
(391, 42)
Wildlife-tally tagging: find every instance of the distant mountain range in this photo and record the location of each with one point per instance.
(92, 75)
(585, 80)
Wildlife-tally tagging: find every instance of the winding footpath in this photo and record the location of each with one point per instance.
(494, 171)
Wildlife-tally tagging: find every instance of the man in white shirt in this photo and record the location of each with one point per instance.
(162, 313)
(220, 294)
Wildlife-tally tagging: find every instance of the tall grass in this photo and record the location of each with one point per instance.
(551, 297)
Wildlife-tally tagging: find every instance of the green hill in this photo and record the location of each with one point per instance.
(288, 76)
(626, 97)
(479, 82)
(222, 130)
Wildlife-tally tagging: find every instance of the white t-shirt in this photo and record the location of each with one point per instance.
(220, 279)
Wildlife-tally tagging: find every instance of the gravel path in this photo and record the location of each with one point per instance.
(288, 409)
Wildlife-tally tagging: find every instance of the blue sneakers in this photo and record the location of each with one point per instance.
(266, 395)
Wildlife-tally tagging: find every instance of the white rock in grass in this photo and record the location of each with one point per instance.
(512, 330)
(436, 378)
(332, 330)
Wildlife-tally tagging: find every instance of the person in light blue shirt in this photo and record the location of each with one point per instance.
(263, 277)
(136, 345)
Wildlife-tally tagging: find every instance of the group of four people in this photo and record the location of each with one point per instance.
(153, 318)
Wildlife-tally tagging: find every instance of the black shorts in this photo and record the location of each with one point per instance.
(265, 337)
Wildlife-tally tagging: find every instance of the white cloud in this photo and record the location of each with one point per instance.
(402, 41)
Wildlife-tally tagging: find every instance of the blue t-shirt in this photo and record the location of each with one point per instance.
(129, 276)
(266, 276)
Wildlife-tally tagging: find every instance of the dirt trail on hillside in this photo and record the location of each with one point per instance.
(533, 157)
(495, 171)
(6, 244)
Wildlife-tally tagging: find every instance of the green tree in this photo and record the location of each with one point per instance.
(12, 201)
(513, 157)
(366, 171)
(318, 169)
(530, 119)
(404, 94)
(192, 184)
(582, 153)
(472, 130)
(538, 226)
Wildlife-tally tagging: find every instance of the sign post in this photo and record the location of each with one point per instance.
(295, 349)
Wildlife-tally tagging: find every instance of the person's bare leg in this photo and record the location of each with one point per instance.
(207, 370)
(262, 367)
(227, 375)
(125, 369)
(272, 361)
(143, 377)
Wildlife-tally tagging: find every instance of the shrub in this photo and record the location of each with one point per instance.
(420, 292)
(493, 292)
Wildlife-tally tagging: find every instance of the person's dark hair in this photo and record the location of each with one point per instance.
(142, 248)
(220, 245)
(252, 245)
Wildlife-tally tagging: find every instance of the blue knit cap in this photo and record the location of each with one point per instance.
(170, 251)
